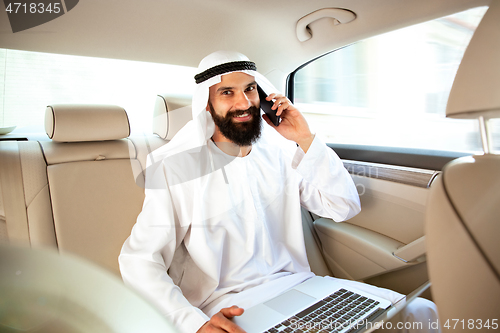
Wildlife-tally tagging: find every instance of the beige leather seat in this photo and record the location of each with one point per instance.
(81, 191)
(78, 192)
(462, 231)
(170, 115)
(95, 196)
(462, 219)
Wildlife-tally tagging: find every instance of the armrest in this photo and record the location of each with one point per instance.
(411, 251)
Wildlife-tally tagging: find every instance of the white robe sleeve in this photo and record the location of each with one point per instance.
(326, 188)
(147, 254)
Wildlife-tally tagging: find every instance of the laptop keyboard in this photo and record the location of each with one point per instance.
(333, 314)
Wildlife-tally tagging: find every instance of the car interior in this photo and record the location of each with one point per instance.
(72, 170)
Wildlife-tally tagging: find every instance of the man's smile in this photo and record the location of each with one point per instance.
(246, 116)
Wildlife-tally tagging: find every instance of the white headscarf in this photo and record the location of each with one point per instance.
(198, 131)
(186, 154)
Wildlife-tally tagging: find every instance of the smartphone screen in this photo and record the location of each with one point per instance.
(266, 105)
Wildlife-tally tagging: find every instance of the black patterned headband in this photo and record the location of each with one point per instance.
(225, 68)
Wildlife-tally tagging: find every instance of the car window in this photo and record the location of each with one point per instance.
(29, 81)
(391, 90)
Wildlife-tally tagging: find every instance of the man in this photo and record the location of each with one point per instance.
(222, 207)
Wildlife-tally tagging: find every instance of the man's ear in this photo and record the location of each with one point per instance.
(208, 108)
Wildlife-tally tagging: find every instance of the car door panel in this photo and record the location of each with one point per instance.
(391, 221)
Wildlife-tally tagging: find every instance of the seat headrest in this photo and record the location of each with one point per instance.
(170, 115)
(77, 123)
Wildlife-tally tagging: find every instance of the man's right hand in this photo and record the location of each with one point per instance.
(220, 321)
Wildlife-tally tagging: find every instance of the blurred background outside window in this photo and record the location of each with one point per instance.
(392, 89)
(29, 81)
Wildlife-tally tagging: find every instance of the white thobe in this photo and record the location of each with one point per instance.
(229, 230)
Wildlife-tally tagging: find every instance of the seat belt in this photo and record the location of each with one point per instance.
(11, 183)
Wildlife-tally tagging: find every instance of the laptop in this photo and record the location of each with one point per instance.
(321, 304)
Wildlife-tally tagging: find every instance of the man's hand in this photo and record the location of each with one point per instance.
(220, 321)
(293, 125)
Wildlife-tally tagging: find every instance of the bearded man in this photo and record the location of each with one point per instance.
(221, 222)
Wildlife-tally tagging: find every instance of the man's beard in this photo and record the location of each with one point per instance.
(240, 133)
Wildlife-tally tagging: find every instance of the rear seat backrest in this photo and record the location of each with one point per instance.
(170, 115)
(80, 192)
(90, 168)
(77, 192)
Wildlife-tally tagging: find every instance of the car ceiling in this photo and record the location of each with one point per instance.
(183, 32)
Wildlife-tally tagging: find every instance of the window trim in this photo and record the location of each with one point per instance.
(404, 157)
(403, 175)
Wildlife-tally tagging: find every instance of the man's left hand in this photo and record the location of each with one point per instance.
(293, 125)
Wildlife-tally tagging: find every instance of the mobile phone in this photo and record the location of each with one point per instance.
(266, 105)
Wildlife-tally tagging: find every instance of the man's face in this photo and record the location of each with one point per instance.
(235, 107)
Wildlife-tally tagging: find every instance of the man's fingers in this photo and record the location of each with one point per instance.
(232, 311)
(270, 97)
(279, 102)
(220, 321)
(210, 327)
(266, 118)
(282, 107)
